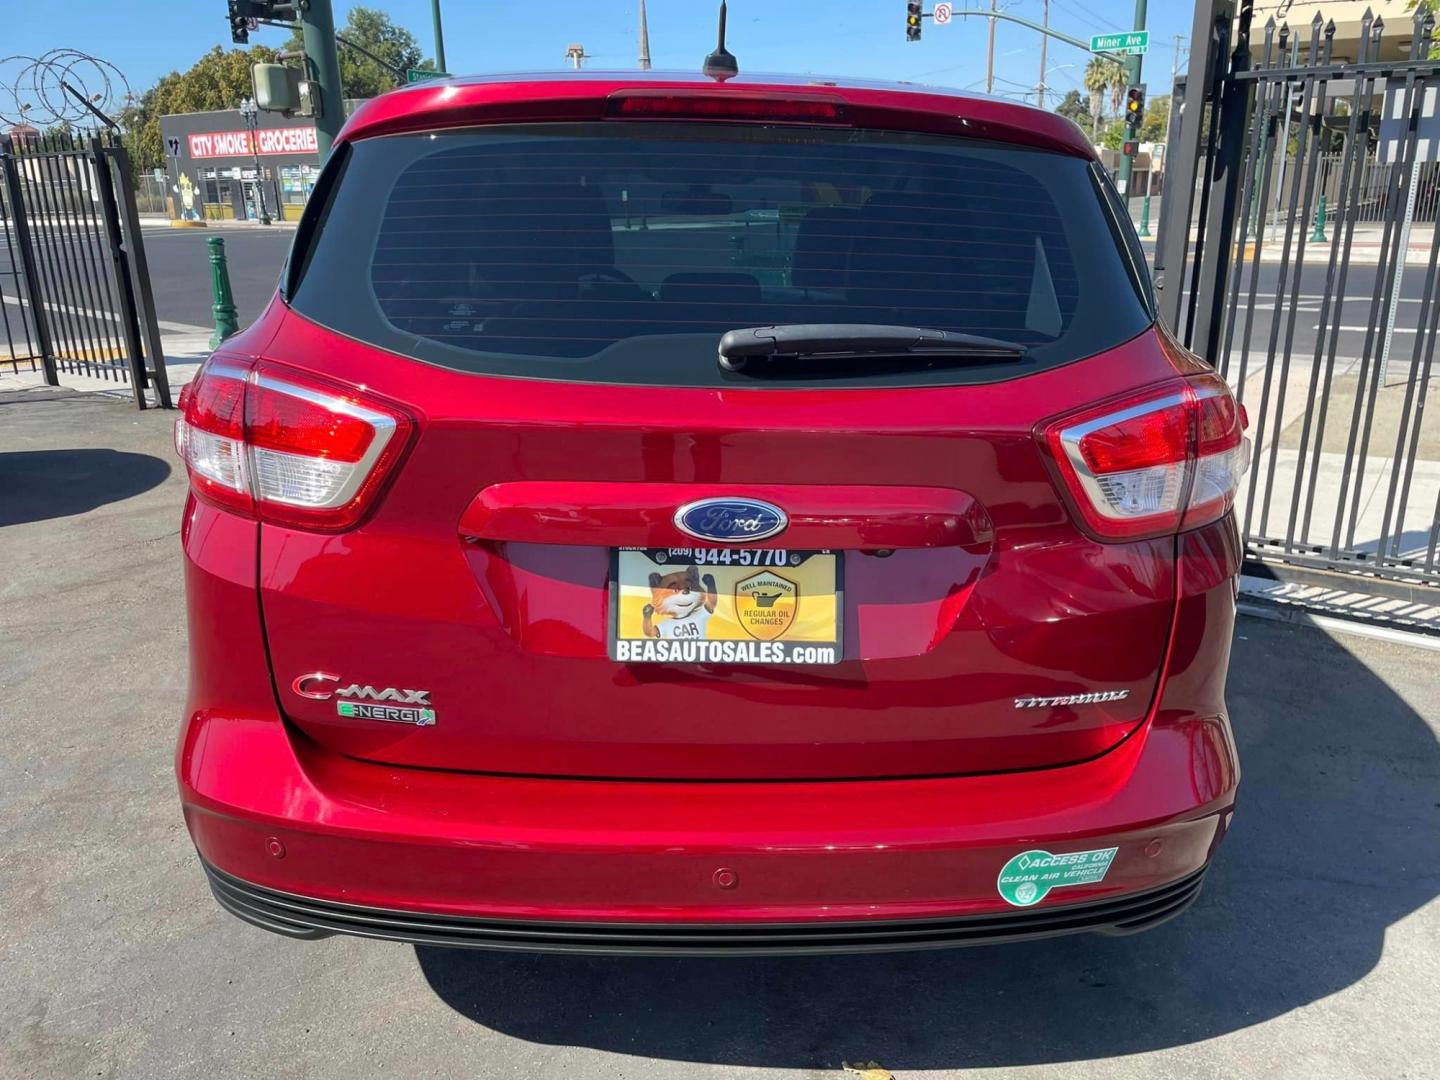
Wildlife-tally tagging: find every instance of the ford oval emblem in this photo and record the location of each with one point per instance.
(730, 521)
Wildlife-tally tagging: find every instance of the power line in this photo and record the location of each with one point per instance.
(1089, 18)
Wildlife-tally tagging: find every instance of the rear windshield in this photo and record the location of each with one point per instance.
(620, 252)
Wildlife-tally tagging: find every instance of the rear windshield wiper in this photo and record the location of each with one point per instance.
(856, 341)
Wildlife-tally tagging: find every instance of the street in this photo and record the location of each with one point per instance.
(180, 270)
(1308, 954)
(1354, 315)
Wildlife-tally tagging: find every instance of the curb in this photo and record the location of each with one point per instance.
(180, 223)
(1274, 611)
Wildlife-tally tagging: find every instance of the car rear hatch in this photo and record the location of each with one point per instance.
(529, 314)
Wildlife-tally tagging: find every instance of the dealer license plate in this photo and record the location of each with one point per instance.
(725, 606)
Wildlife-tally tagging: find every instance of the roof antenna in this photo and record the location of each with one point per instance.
(720, 64)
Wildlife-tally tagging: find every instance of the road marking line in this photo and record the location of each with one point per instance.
(110, 316)
(1362, 329)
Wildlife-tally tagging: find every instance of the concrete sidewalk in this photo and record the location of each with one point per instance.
(185, 347)
(164, 221)
(1338, 486)
(1367, 244)
(1366, 247)
(1307, 956)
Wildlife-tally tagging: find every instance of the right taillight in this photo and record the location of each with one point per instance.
(287, 447)
(1160, 461)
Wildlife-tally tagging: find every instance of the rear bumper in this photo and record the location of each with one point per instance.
(307, 843)
(303, 917)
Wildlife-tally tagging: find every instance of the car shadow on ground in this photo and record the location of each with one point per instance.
(1334, 840)
(36, 485)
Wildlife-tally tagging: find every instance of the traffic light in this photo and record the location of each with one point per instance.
(245, 13)
(239, 22)
(1134, 107)
(912, 20)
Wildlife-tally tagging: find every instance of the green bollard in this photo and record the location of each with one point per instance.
(225, 320)
(1318, 236)
(1145, 218)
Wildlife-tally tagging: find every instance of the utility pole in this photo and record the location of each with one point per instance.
(1044, 40)
(317, 25)
(644, 39)
(1174, 74)
(439, 36)
(990, 56)
(1132, 78)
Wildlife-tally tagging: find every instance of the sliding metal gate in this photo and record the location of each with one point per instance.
(75, 294)
(1321, 314)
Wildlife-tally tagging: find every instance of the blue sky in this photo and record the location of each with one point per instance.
(839, 37)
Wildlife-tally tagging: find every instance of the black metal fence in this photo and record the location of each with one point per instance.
(1326, 330)
(1365, 199)
(75, 294)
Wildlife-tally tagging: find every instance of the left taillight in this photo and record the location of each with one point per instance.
(1161, 461)
(286, 447)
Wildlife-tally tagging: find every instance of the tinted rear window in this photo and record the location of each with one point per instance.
(620, 252)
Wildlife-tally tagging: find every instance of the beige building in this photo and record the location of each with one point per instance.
(1394, 42)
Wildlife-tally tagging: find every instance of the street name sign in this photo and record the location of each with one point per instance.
(420, 75)
(1131, 43)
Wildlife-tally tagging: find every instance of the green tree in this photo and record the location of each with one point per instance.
(1432, 6)
(1153, 128)
(1099, 76)
(218, 80)
(1072, 106)
(1156, 125)
(1113, 137)
(372, 29)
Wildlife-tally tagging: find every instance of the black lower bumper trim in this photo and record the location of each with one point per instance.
(302, 917)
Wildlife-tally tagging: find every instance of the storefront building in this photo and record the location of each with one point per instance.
(212, 172)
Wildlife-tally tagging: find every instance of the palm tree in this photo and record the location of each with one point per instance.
(1097, 81)
(1119, 83)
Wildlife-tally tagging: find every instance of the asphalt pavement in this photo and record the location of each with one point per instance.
(1311, 953)
(180, 269)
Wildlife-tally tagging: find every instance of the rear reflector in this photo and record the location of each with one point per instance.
(717, 105)
(287, 448)
(1157, 462)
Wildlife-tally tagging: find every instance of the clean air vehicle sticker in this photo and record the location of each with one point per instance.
(1029, 876)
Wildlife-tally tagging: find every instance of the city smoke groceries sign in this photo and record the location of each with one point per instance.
(214, 144)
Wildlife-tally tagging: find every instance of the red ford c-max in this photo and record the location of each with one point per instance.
(661, 516)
